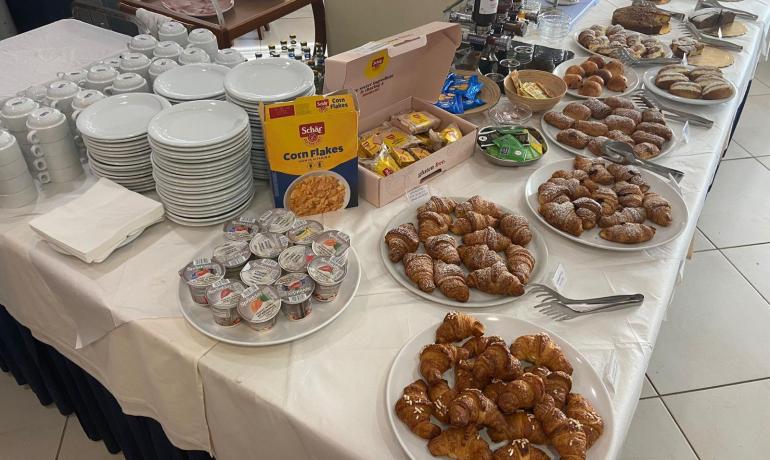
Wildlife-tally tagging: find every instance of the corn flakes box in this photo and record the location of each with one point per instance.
(312, 149)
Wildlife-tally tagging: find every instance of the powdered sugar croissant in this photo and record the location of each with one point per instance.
(419, 269)
(489, 236)
(471, 222)
(443, 247)
(401, 240)
(450, 280)
(516, 228)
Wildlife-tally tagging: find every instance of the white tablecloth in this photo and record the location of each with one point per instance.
(323, 396)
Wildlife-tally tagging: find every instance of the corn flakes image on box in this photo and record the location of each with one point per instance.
(311, 146)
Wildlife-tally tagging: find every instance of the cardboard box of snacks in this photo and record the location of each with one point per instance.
(311, 146)
(401, 73)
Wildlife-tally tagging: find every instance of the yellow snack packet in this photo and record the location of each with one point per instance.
(419, 153)
(415, 122)
(402, 157)
(391, 136)
(369, 146)
(451, 133)
(384, 165)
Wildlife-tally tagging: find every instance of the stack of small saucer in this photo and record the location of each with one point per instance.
(200, 159)
(266, 80)
(192, 83)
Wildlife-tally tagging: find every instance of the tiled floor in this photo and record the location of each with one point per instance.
(707, 394)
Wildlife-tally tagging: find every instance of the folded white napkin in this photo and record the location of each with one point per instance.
(151, 20)
(97, 222)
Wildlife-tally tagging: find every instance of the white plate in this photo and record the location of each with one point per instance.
(208, 210)
(120, 117)
(197, 124)
(649, 83)
(630, 73)
(551, 131)
(269, 80)
(108, 144)
(181, 181)
(666, 48)
(195, 222)
(477, 298)
(221, 199)
(663, 235)
(211, 188)
(586, 381)
(192, 82)
(284, 330)
(190, 155)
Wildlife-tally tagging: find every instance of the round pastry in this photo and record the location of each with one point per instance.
(654, 52)
(596, 78)
(604, 74)
(599, 109)
(634, 39)
(593, 44)
(653, 116)
(665, 80)
(657, 129)
(615, 67)
(645, 150)
(622, 123)
(643, 136)
(686, 45)
(573, 138)
(598, 60)
(638, 49)
(604, 50)
(629, 113)
(708, 77)
(618, 83)
(586, 35)
(599, 29)
(575, 70)
(592, 128)
(615, 29)
(620, 136)
(604, 40)
(596, 145)
(686, 89)
(650, 41)
(618, 38)
(591, 89)
(558, 120)
(704, 70)
(573, 81)
(617, 102)
(577, 111)
(716, 90)
(676, 68)
(589, 67)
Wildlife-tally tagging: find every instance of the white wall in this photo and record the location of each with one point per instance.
(7, 27)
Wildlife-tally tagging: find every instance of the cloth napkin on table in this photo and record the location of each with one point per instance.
(151, 20)
(97, 222)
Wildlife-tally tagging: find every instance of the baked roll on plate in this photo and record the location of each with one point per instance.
(564, 68)
(649, 82)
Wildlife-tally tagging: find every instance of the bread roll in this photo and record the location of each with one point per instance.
(573, 81)
(558, 120)
(591, 89)
(573, 138)
(577, 111)
(592, 128)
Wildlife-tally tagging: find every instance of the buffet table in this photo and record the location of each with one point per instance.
(323, 396)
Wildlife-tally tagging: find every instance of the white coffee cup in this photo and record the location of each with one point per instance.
(17, 183)
(60, 154)
(46, 125)
(99, 77)
(173, 31)
(127, 83)
(35, 92)
(193, 55)
(13, 169)
(9, 149)
(39, 164)
(17, 200)
(205, 40)
(143, 43)
(14, 111)
(43, 177)
(75, 76)
(160, 65)
(83, 99)
(134, 62)
(66, 174)
(113, 62)
(229, 57)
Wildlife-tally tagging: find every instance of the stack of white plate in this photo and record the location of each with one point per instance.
(114, 131)
(200, 161)
(266, 80)
(192, 83)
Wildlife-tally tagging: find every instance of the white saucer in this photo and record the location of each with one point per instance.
(198, 124)
(120, 117)
(192, 82)
(269, 80)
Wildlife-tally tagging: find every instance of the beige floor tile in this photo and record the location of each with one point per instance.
(701, 242)
(653, 435)
(752, 133)
(754, 263)
(735, 151)
(647, 390)
(758, 88)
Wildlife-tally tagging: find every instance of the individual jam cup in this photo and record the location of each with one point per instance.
(260, 272)
(233, 255)
(328, 278)
(259, 307)
(295, 259)
(268, 245)
(223, 297)
(241, 229)
(277, 220)
(199, 275)
(295, 290)
(334, 245)
(303, 232)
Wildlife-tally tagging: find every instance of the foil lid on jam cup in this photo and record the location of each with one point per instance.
(268, 245)
(232, 254)
(328, 277)
(260, 272)
(242, 228)
(303, 232)
(199, 275)
(223, 297)
(295, 287)
(259, 306)
(332, 244)
(276, 220)
(296, 258)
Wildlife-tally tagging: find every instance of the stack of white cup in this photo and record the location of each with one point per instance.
(13, 116)
(75, 76)
(205, 40)
(59, 95)
(53, 145)
(194, 55)
(128, 82)
(158, 66)
(137, 63)
(168, 50)
(82, 99)
(229, 57)
(143, 43)
(16, 185)
(173, 31)
(99, 77)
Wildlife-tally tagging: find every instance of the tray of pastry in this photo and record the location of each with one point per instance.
(607, 40)
(465, 252)
(605, 205)
(583, 127)
(694, 85)
(598, 77)
(492, 386)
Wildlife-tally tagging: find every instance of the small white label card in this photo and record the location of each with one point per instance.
(559, 278)
(418, 194)
(686, 132)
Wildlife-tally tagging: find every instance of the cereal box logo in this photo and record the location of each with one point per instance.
(311, 133)
(322, 105)
(377, 65)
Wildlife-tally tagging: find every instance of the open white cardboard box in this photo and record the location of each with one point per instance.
(393, 75)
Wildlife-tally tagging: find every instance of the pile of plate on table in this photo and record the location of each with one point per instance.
(200, 161)
(114, 131)
(266, 80)
(192, 82)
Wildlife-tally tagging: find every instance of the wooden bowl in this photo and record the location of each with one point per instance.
(553, 83)
(490, 93)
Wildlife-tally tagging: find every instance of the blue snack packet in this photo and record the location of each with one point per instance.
(452, 103)
(474, 87)
(472, 103)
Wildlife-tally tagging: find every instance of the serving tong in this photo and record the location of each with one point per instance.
(715, 4)
(629, 59)
(622, 153)
(643, 98)
(563, 308)
(693, 32)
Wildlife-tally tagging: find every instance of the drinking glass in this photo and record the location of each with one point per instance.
(553, 27)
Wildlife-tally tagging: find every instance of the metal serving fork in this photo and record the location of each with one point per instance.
(643, 99)
(715, 4)
(629, 59)
(622, 153)
(693, 32)
(563, 308)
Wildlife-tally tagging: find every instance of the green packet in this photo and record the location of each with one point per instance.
(515, 144)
